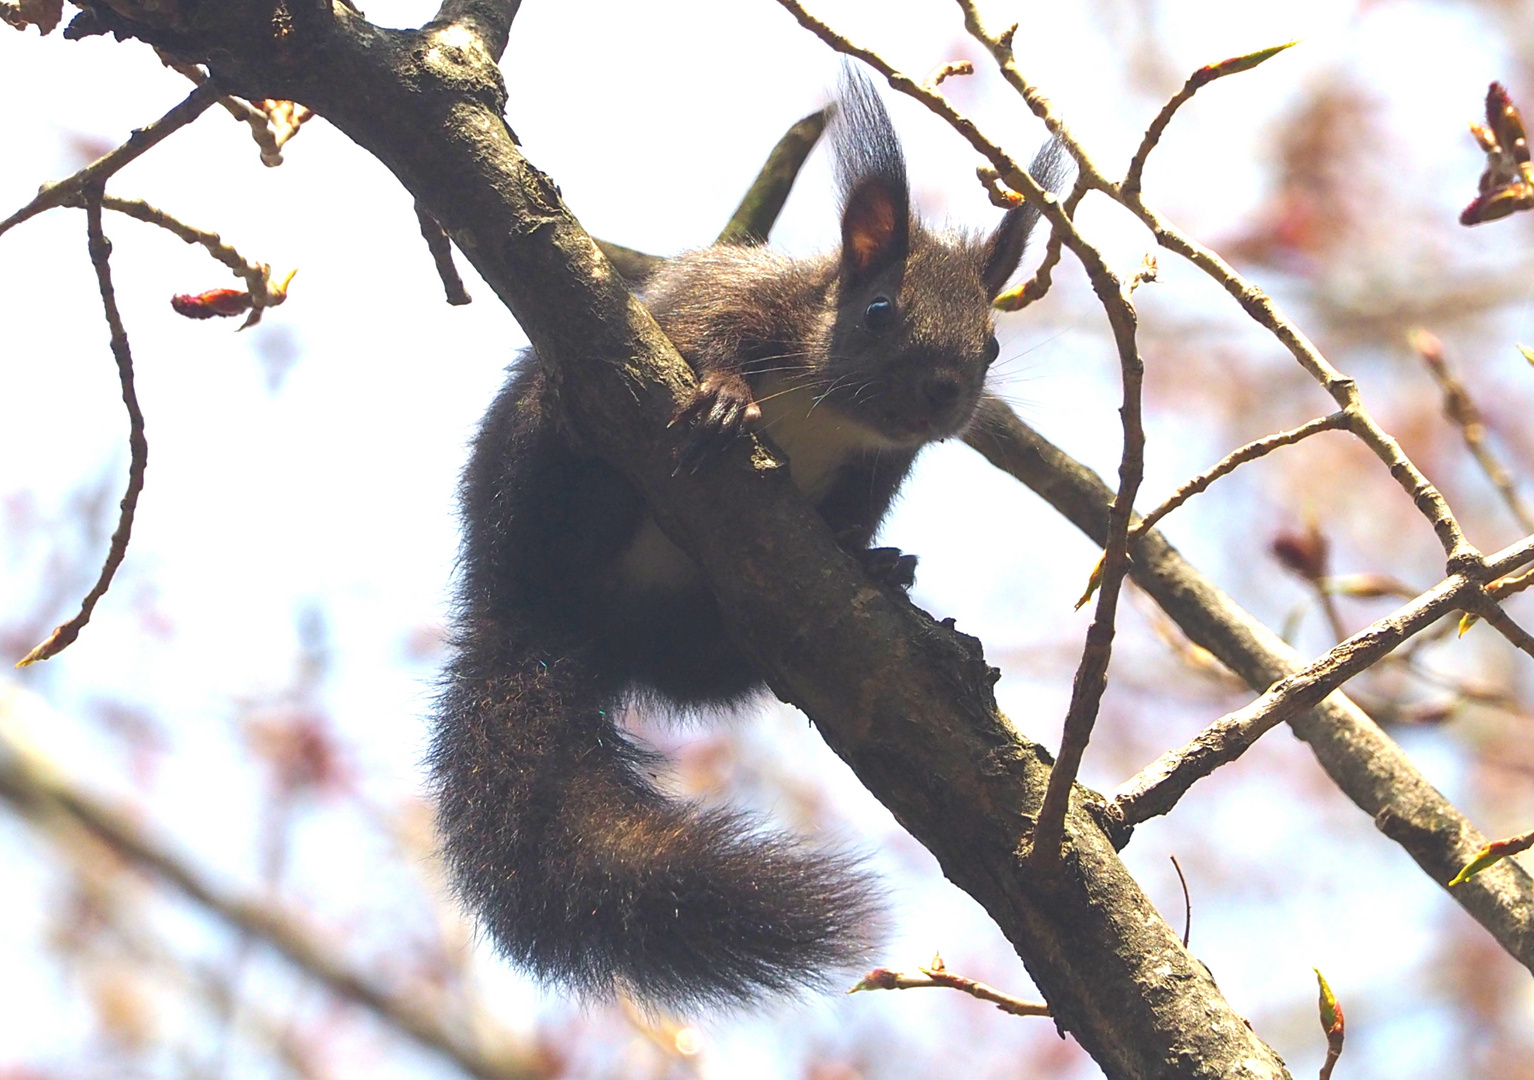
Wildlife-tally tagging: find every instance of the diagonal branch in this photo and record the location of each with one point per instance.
(96, 173)
(41, 797)
(757, 211)
(1365, 763)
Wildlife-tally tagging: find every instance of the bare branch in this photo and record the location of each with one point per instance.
(1158, 786)
(260, 290)
(939, 976)
(1365, 763)
(138, 447)
(1228, 464)
(1200, 78)
(96, 173)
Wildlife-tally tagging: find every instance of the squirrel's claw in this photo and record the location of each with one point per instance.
(722, 407)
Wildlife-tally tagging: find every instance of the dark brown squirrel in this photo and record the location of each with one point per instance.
(573, 604)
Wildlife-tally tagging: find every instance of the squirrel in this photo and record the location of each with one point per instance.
(572, 603)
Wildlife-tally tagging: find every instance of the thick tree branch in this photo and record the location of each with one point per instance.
(490, 20)
(905, 701)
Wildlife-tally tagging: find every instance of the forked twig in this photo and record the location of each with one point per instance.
(95, 174)
(939, 976)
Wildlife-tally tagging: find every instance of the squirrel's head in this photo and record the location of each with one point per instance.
(913, 334)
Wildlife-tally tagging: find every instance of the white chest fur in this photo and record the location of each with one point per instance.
(817, 439)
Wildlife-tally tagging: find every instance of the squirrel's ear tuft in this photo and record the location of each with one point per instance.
(876, 201)
(876, 230)
(1004, 249)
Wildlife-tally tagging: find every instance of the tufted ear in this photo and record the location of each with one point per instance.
(1004, 250)
(876, 229)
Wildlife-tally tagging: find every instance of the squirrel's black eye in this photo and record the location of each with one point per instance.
(992, 351)
(879, 314)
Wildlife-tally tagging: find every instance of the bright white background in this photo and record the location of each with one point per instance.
(310, 463)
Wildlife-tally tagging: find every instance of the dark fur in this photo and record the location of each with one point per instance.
(572, 604)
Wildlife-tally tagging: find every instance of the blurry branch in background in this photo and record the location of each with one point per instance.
(138, 446)
(51, 803)
(936, 975)
(1462, 413)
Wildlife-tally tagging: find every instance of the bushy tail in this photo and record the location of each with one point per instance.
(588, 877)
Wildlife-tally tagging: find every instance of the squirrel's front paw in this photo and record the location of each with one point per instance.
(721, 408)
(888, 566)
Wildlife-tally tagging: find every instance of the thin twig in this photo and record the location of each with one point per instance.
(1461, 554)
(1365, 763)
(1486, 607)
(1236, 458)
(138, 447)
(257, 276)
(258, 120)
(1200, 78)
(95, 174)
(938, 976)
(1187, 903)
(1462, 412)
(1037, 286)
(442, 255)
(1158, 786)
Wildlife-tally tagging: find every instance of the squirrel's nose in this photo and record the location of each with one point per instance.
(941, 391)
